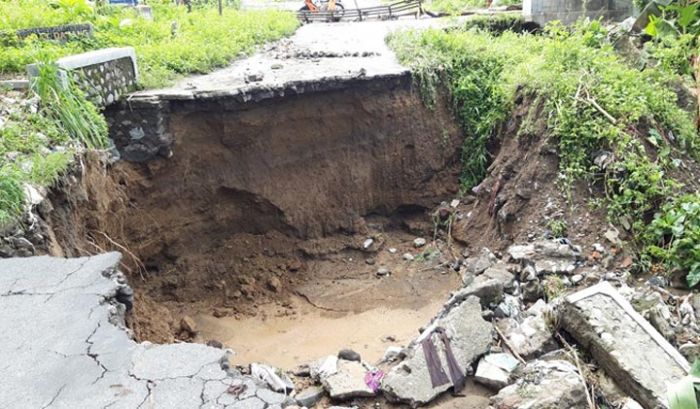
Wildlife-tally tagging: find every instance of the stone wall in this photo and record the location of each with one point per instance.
(568, 11)
(105, 75)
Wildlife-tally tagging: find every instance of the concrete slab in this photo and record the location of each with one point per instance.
(65, 345)
(623, 343)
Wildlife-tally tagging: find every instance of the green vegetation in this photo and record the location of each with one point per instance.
(37, 144)
(173, 44)
(38, 141)
(590, 101)
(457, 7)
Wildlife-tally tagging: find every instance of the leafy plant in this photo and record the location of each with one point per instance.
(683, 395)
(674, 235)
(558, 227)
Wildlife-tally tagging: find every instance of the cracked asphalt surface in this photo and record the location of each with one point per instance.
(65, 345)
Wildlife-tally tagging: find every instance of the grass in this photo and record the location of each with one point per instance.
(38, 141)
(591, 101)
(175, 43)
(457, 7)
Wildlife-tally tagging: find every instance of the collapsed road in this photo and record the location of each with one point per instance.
(309, 172)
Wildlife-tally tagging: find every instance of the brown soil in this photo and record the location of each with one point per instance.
(261, 206)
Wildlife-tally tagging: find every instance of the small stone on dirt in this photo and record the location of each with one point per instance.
(188, 325)
(274, 284)
(419, 242)
(349, 355)
(367, 243)
(408, 257)
(383, 272)
(370, 261)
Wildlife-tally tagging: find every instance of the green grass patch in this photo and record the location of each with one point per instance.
(591, 101)
(173, 44)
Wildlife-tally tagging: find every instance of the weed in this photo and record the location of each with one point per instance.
(558, 227)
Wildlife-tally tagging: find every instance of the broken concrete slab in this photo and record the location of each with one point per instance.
(310, 396)
(348, 382)
(69, 347)
(547, 256)
(478, 264)
(494, 370)
(470, 336)
(532, 337)
(623, 343)
(544, 385)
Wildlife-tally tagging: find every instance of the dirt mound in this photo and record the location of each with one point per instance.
(523, 195)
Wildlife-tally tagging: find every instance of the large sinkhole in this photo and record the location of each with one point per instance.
(268, 222)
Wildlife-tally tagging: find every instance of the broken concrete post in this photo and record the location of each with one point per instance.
(470, 336)
(544, 385)
(623, 343)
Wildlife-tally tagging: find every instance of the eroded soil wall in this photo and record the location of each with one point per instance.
(248, 193)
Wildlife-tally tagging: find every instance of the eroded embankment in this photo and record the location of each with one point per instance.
(240, 203)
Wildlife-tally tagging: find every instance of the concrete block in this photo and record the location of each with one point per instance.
(623, 343)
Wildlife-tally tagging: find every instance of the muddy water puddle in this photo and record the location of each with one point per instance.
(311, 333)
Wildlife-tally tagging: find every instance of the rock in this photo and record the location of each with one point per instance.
(494, 370)
(370, 261)
(392, 353)
(367, 243)
(630, 403)
(408, 257)
(324, 367)
(419, 242)
(274, 284)
(576, 278)
(349, 355)
(348, 382)
(310, 396)
(489, 291)
(470, 336)
(547, 256)
(532, 337)
(509, 307)
(605, 324)
(188, 325)
(690, 351)
(254, 76)
(478, 264)
(499, 271)
(659, 318)
(270, 397)
(383, 272)
(544, 385)
(392, 250)
(276, 379)
(532, 291)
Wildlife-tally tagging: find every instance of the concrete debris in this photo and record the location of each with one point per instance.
(509, 307)
(501, 272)
(532, 337)
(392, 353)
(604, 323)
(494, 370)
(630, 403)
(73, 322)
(470, 336)
(419, 242)
(547, 256)
(479, 263)
(544, 385)
(310, 396)
(324, 367)
(277, 380)
(348, 382)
